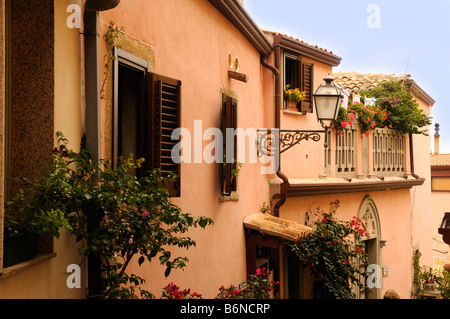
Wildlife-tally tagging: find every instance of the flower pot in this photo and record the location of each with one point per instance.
(430, 286)
(18, 248)
(291, 106)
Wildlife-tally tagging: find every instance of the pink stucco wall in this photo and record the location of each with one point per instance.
(192, 41)
(392, 213)
(440, 205)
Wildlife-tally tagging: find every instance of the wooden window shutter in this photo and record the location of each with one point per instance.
(164, 117)
(228, 182)
(307, 85)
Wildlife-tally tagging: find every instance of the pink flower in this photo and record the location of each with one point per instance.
(144, 214)
(343, 124)
(351, 116)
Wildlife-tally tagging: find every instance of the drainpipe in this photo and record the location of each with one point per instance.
(92, 73)
(93, 115)
(269, 66)
(275, 69)
(411, 156)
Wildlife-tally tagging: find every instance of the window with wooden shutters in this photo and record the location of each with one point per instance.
(300, 74)
(146, 112)
(228, 125)
(307, 85)
(164, 118)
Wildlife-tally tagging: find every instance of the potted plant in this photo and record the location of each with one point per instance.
(32, 212)
(292, 97)
(430, 279)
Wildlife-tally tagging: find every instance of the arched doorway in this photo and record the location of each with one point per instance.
(370, 221)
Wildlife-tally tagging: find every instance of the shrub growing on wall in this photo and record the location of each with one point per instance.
(334, 253)
(116, 216)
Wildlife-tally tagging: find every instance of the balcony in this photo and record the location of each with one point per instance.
(358, 163)
(383, 153)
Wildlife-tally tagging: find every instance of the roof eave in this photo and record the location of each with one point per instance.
(424, 96)
(306, 50)
(239, 17)
(297, 190)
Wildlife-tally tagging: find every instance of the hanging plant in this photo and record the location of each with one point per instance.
(369, 116)
(343, 120)
(403, 113)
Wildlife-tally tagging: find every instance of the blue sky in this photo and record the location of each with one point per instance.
(418, 30)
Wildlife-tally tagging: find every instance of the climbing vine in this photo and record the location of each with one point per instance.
(110, 36)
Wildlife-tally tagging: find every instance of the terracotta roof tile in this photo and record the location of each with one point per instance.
(357, 82)
(440, 159)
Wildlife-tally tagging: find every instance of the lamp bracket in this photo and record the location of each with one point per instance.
(268, 145)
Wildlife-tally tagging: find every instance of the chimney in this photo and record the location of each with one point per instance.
(436, 139)
(241, 2)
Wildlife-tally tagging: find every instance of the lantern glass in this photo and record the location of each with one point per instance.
(327, 100)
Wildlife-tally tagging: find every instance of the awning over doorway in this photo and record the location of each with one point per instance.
(277, 227)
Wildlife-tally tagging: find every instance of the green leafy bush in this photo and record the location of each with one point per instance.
(334, 253)
(395, 108)
(116, 216)
(403, 112)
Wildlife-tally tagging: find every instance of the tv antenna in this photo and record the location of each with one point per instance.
(406, 70)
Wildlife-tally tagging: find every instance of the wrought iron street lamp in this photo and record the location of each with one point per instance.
(327, 100)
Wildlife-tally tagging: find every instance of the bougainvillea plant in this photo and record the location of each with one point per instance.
(116, 217)
(334, 253)
(395, 108)
(403, 112)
